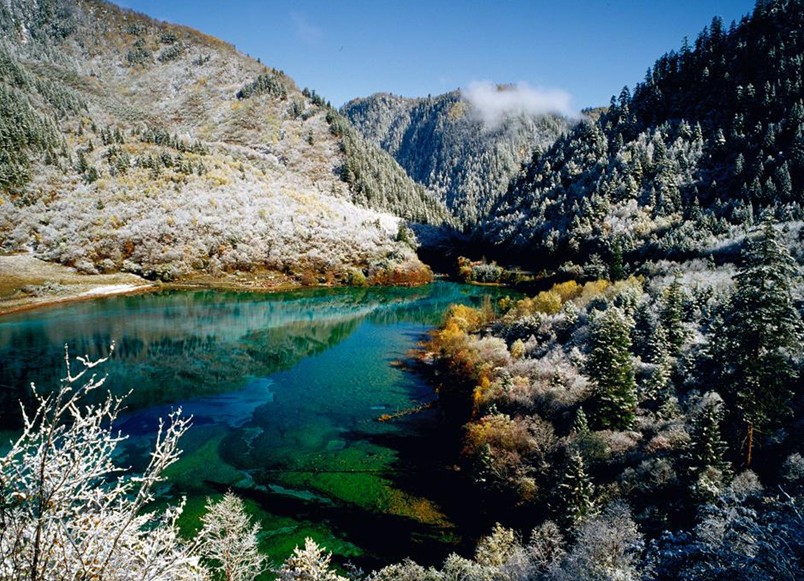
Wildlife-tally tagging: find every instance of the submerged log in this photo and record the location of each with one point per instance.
(405, 412)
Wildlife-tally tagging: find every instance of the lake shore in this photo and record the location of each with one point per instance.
(27, 282)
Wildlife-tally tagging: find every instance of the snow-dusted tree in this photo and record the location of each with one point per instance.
(68, 512)
(758, 340)
(409, 570)
(607, 546)
(576, 493)
(228, 540)
(656, 386)
(308, 564)
(611, 369)
(672, 315)
(580, 426)
(708, 469)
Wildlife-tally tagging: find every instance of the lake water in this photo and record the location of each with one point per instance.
(285, 391)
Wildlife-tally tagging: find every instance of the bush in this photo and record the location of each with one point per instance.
(488, 273)
(68, 511)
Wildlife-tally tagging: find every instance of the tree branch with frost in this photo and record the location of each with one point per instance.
(68, 511)
(311, 563)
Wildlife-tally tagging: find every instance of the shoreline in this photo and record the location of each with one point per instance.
(28, 283)
(43, 302)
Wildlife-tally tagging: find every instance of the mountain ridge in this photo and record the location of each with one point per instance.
(444, 144)
(710, 139)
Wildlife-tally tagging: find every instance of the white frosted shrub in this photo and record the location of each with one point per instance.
(69, 512)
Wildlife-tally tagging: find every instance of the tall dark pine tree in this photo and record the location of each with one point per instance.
(758, 341)
(672, 315)
(611, 369)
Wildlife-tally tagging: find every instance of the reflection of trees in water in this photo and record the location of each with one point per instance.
(278, 349)
(179, 345)
(176, 345)
(174, 368)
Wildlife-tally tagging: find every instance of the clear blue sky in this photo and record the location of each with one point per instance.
(352, 48)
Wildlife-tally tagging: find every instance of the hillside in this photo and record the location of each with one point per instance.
(643, 416)
(133, 145)
(680, 168)
(444, 143)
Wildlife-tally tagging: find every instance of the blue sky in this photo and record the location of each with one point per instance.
(588, 49)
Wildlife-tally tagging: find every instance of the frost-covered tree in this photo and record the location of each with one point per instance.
(672, 315)
(758, 341)
(657, 386)
(708, 468)
(68, 512)
(229, 540)
(737, 538)
(611, 369)
(311, 563)
(607, 546)
(576, 493)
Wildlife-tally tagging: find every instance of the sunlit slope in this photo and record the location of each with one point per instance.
(131, 144)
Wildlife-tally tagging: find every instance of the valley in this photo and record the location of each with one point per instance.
(617, 395)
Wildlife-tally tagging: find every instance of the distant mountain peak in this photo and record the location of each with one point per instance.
(446, 143)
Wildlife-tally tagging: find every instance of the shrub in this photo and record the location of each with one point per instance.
(68, 511)
(486, 273)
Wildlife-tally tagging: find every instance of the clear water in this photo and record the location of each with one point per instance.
(285, 391)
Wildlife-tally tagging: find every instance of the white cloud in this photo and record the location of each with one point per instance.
(493, 103)
(309, 33)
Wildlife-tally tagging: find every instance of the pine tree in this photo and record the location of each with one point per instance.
(581, 425)
(576, 492)
(617, 268)
(672, 316)
(657, 386)
(611, 369)
(758, 340)
(707, 466)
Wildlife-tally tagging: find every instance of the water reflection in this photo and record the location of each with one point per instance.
(284, 390)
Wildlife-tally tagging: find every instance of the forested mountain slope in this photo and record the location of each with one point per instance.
(709, 138)
(445, 144)
(131, 144)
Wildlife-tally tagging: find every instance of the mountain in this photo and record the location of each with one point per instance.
(680, 168)
(131, 144)
(445, 143)
(646, 426)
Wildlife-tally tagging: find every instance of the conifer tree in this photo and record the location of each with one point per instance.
(708, 468)
(617, 268)
(656, 386)
(672, 316)
(581, 425)
(576, 492)
(756, 343)
(611, 369)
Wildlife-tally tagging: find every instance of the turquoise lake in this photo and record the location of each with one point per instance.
(285, 391)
